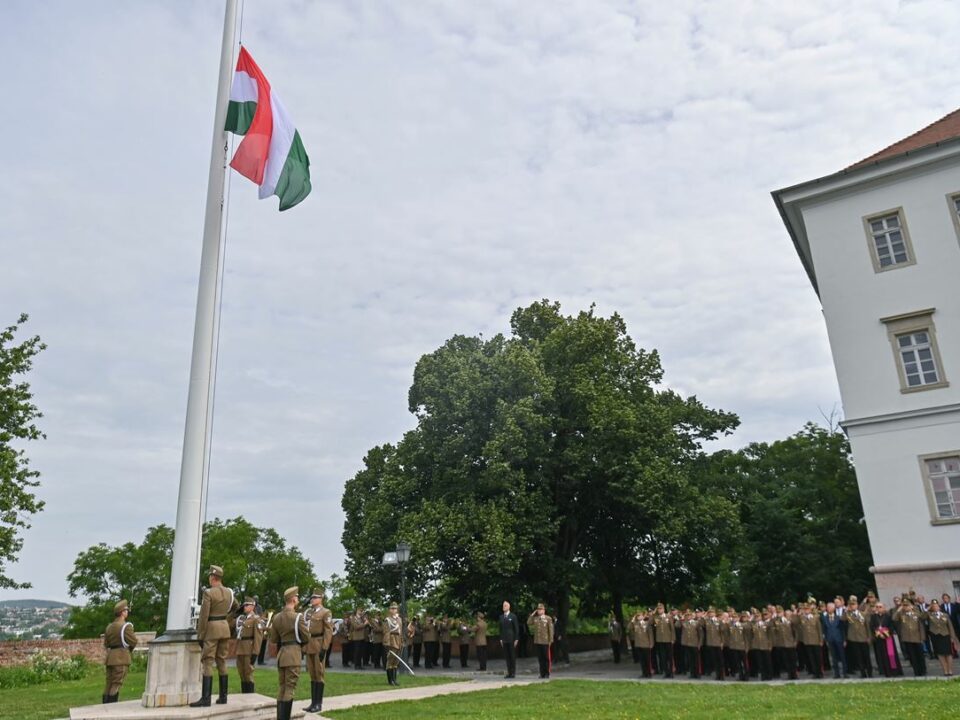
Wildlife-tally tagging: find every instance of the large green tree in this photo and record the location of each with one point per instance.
(18, 417)
(255, 561)
(543, 465)
(803, 524)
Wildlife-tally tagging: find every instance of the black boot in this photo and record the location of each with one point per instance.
(395, 681)
(222, 700)
(389, 678)
(286, 709)
(312, 707)
(205, 692)
(103, 699)
(320, 686)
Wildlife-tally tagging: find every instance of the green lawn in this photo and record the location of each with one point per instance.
(53, 700)
(589, 700)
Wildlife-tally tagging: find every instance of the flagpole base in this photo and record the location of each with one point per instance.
(173, 670)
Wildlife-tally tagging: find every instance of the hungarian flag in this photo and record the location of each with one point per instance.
(271, 152)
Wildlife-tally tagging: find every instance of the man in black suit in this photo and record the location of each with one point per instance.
(952, 611)
(509, 634)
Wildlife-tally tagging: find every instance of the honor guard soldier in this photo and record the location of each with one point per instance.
(249, 627)
(376, 640)
(431, 643)
(320, 624)
(643, 641)
(858, 637)
(358, 637)
(444, 627)
(480, 640)
(664, 634)
(119, 639)
(415, 634)
(213, 633)
(289, 632)
(691, 640)
(463, 634)
(393, 642)
(811, 635)
(911, 631)
(541, 627)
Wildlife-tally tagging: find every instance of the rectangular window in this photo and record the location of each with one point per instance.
(943, 485)
(916, 357)
(914, 340)
(889, 240)
(953, 200)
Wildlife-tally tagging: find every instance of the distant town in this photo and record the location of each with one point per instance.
(33, 619)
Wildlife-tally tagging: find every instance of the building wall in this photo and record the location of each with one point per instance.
(908, 548)
(854, 297)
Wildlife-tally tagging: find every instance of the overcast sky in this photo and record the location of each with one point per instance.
(468, 158)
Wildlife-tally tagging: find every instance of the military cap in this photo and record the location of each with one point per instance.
(540, 606)
(249, 601)
(290, 592)
(317, 592)
(394, 606)
(120, 607)
(480, 613)
(215, 571)
(853, 598)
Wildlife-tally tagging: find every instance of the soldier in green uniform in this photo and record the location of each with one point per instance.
(665, 636)
(942, 634)
(909, 619)
(249, 627)
(431, 643)
(738, 641)
(393, 642)
(319, 622)
(857, 624)
(541, 628)
(213, 633)
(811, 635)
(615, 629)
(691, 639)
(643, 641)
(480, 640)
(444, 627)
(761, 645)
(376, 640)
(289, 632)
(358, 637)
(463, 635)
(713, 643)
(119, 639)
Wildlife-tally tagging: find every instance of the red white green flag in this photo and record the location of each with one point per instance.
(271, 152)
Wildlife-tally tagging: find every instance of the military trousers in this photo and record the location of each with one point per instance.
(814, 660)
(543, 660)
(215, 651)
(914, 653)
(446, 654)
(738, 659)
(376, 653)
(431, 650)
(288, 677)
(692, 660)
(510, 656)
(788, 662)
(482, 656)
(245, 667)
(115, 677)
(316, 667)
(645, 656)
(715, 653)
(416, 653)
(464, 655)
(858, 654)
(615, 646)
(393, 661)
(346, 652)
(665, 655)
(763, 664)
(359, 653)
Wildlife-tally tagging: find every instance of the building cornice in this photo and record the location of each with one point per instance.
(897, 416)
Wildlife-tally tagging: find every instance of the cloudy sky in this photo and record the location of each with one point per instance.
(468, 158)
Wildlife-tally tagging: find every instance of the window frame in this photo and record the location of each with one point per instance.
(952, 200)
(935, 518)
(913, 322)
(904, 231)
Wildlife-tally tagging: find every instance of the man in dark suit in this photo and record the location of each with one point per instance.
(834, 634)
(509, 634)
(952, 611)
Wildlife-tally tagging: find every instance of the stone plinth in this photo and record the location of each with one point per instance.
(173, 670)
(239, 707)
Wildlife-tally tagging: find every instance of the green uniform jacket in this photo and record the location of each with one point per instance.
(358, 627)
(761, 636)
(642, 633)
(940, 625)
(445, 626)
(541, 627)
(691, 633)
(119, 639)
(784, 632)
(737, 636)
(376, 631)
(811, 631)
(218, 603)
(320, 624)
(713, 632)
(858, 626)
(249, 634)
(663, 629)
(289, 632)
(909, 624)
(480, 633)
(430, 631)
(393, 632)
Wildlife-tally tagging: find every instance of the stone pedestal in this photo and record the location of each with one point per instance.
(173, 670)
(239, 707)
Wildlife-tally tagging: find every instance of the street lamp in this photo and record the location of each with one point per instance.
(400, 556)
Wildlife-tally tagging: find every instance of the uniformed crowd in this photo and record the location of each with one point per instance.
(812, 638)
(768, 643)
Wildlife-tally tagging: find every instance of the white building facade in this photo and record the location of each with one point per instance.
(881, 244)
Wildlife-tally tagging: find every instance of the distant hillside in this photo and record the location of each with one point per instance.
(32, 604)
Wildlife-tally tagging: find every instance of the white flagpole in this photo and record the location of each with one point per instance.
(185, 571)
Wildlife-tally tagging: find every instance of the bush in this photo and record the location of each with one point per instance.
(45, 668)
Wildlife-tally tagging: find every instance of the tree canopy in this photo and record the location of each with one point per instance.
(18, 417)
(546, 463)
(255, 561)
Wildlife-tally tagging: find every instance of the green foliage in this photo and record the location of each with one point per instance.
(45, 668)
(256, 561)
(803, 523)
(545, 465)
(17, 424)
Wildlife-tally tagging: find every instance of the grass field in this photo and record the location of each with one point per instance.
(589, 700)
(53, 700)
